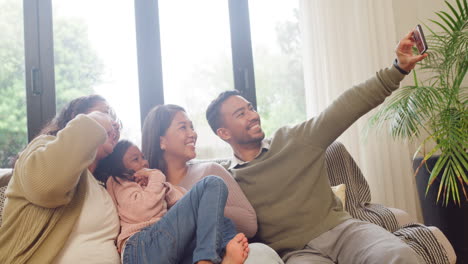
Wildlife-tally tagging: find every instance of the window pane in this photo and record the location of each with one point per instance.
(13, 125)
(95, 52)
(276, 46)
(196, 62)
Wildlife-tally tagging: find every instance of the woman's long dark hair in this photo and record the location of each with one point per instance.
(113, 166)
(155, 125)
(75, 107)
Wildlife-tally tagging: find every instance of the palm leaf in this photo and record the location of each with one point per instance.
(440, 25)
(453, 11)
(462, 14)
(459, 172)
(465, 4)
(433, 176)
(454, 189)
(441, 162)
(442, 15)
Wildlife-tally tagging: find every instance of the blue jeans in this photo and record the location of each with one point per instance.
(193, 229)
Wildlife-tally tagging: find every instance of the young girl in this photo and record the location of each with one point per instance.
(160, 224)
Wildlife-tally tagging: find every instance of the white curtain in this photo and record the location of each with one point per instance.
(346, 42)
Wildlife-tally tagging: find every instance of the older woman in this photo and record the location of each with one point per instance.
(56, 211)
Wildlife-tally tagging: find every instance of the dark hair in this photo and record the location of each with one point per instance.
(213, 114)
(155, 125)
(113, 165)
(75, 107)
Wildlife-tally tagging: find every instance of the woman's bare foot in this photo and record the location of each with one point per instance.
(237, 250)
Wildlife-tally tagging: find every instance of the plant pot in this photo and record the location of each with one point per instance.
(451, 219)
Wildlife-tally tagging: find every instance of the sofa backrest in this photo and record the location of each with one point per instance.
(341, 168)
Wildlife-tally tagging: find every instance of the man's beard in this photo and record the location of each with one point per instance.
(252, 140)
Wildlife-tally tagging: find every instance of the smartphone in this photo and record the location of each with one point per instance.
(420, 40)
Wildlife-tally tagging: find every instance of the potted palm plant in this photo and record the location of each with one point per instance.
(433, 112)
(437, 106)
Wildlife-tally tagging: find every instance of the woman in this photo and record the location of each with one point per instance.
(168, 143)
(56, 211)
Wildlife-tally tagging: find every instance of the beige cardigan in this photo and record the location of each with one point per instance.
(46, 192)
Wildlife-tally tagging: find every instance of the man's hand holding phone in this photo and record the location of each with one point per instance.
(404, 51)
(420, 40)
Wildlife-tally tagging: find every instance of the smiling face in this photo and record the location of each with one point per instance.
(133, 159)
(180, 139)
(240, 122)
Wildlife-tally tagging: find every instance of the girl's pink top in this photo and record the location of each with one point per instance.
(140, 206)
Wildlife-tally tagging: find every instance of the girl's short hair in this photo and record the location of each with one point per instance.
(113, 165)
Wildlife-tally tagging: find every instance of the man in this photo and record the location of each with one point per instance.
(286, 181)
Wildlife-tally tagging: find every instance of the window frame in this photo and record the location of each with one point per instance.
(39, 58)
(39, 64)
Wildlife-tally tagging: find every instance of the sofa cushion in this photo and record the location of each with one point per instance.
(340, 192)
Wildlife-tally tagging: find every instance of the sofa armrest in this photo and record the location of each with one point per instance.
(442, 239)
(402, 217)
(5, 176)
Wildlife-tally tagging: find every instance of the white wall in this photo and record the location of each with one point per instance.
(407, 14)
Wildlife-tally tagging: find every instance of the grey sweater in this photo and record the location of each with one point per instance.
(288, 184)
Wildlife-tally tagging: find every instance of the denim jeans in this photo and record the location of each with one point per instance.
(193, 229)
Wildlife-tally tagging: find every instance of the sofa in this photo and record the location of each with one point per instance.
(429, 242)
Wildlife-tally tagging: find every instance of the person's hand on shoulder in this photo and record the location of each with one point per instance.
(404, 51)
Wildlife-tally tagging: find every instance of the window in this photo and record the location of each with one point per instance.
(95, 52)
(203, 47)
(276, 47)
(13, 128)
(196, 62)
